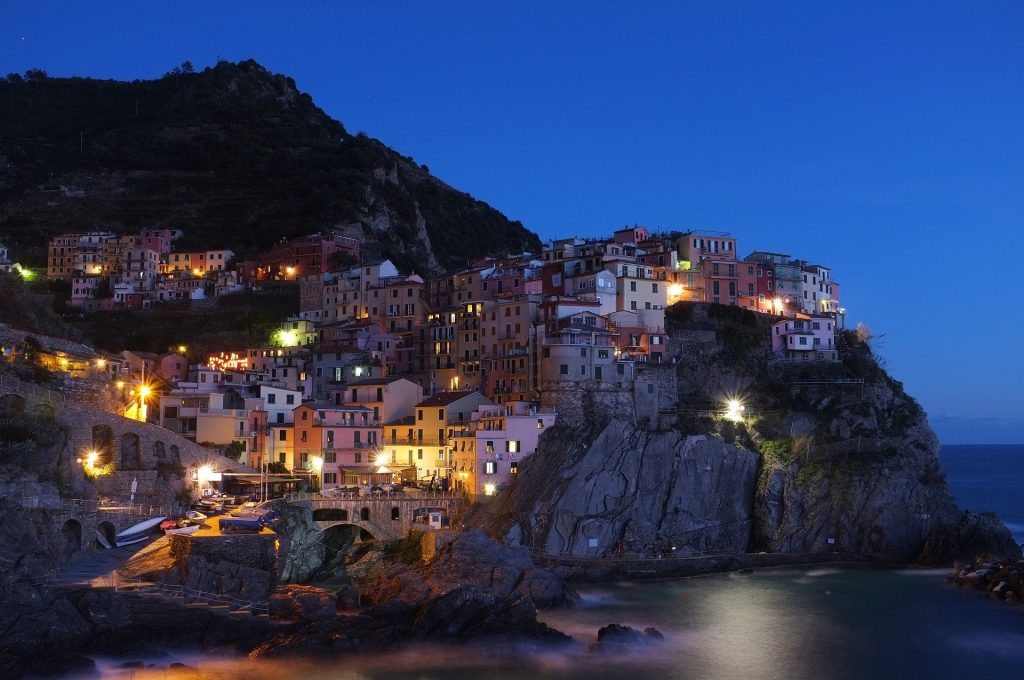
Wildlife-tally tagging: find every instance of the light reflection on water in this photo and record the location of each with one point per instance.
(781, 624)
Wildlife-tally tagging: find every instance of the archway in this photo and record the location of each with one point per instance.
(159, 450)
(364, 514)
(175, 455)
(344, 544)
(71, 532)
(330, 515)
(106, 535)
(131, 455)
(103, 444)
(395, 514)
(11, 404)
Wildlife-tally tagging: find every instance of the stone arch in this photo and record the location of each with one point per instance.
(330, 515)
(175, 458)
(107, 531)
(338, 537)
(159, 450)
(103, 443)
(131, 452)
(364, 514)
(12, 404)
(44, 409)
(71, 532)
(396, 514)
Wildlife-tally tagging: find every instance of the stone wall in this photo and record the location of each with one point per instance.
(259, 551)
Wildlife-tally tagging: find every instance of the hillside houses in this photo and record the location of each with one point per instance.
(435, 377)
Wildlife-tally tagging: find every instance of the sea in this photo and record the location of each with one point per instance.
(819, 623)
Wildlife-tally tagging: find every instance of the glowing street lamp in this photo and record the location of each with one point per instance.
(489, 489)
(734, 410)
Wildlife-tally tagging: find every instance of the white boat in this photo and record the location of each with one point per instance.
(102, 539)
(190, 529)
(195, 515)
(138, 532)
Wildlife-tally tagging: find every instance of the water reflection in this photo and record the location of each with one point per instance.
(787, 624)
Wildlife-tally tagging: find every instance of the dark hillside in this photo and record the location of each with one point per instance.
(235, 156)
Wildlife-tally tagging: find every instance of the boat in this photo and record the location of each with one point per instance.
(168, 524)
(187, 529)
(138, 532)
(102, 539)
(195, 515)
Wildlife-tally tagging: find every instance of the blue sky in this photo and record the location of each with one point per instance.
(883, 139)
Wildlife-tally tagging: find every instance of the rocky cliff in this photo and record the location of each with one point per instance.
(829, 457)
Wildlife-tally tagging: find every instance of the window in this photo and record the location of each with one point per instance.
(302, 437)
(490, 467)
(440, 454)
(632, 286)
(419, 454)
(563, 369)
(280, 418)
(358, 457)
(289, 399)
(513, 467)
(540, 423)
(271, 398)
(419, 414)
(282, 435)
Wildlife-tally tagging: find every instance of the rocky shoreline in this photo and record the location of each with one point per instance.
(1002, 580)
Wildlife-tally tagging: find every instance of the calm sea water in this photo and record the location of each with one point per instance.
(988, 478)
(787, 624)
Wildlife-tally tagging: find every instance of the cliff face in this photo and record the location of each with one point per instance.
(632, 491)
(234, 155)
(831, 457)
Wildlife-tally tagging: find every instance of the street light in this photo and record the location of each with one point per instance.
(318, 464)
(734, 410)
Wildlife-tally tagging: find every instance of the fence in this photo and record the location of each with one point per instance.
(189, 595)
(67, 504)
(144, 510)
(15, 384)
(858, 445)
(376, 495)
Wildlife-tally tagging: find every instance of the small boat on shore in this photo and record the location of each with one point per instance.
(138, 532)
(187, 529)
(195, 516)
(102, 539)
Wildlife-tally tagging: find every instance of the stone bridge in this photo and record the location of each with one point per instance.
(135, 451)
(387, 516)
(76, 524)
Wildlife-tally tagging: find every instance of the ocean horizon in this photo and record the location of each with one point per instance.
(988, 478)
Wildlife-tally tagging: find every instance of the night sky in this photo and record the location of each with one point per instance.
(885, 140)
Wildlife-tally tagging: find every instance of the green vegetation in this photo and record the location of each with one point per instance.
(233, 155)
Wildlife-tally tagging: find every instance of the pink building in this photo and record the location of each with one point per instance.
(342, 438)
(486, 459)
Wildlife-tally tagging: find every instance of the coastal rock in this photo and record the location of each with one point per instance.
(616, 638)
(1001, 579)
(627, 491)
(465, 613)
(471, 559)
(302, 603)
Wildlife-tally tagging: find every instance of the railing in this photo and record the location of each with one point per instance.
(171, 590)
(411, 495)
(13, 383)
(144, 510)
(69, 504)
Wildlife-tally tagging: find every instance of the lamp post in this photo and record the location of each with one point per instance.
(318, 464)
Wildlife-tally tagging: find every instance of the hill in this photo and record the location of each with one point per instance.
(236, 157)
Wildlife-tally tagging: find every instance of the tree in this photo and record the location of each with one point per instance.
(186, 67)
(36, 75)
